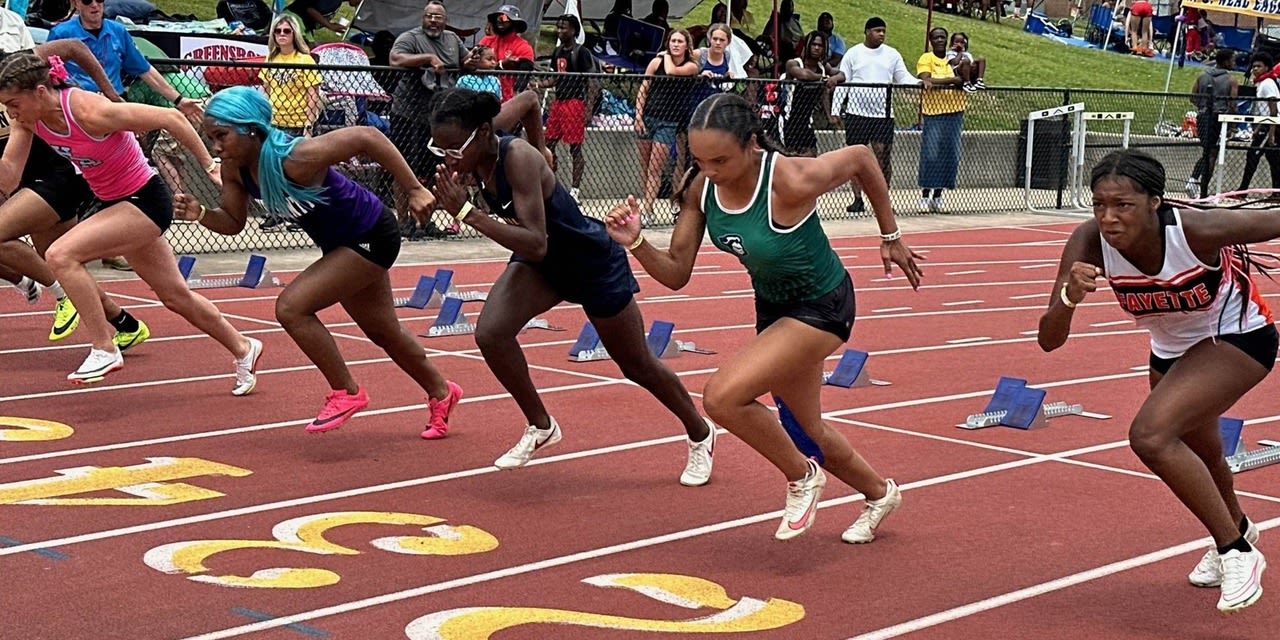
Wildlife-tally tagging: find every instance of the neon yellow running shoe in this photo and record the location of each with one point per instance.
(126, 339)
(65, 320)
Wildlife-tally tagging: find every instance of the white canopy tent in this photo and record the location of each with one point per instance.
(398, 16)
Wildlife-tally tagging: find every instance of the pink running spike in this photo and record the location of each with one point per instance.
(339, 406)
(438, 424)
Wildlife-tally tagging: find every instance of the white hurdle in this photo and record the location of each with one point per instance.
(1224, 121)
(1076, 111)
(1082, 195)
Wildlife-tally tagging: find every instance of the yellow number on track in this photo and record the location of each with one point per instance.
(32, 430)
(152, 483)
(731, 616)
(307, 534)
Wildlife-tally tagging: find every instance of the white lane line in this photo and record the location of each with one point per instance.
(891, 309)
(958, 303)
(965, 273)
(968, 340)
(1113, 323)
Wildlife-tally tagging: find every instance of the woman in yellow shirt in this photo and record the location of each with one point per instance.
(294, 93)
(942, 106)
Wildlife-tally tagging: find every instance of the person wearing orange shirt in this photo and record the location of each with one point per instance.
(514, 53)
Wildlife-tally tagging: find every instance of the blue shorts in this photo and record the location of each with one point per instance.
(602, 283)
(659, 131)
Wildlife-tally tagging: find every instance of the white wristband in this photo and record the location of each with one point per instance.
(890, 237)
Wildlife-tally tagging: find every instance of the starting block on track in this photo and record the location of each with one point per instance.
(256, 275)
(1236, 449)
(1014, 404)
(851, 372)
(431, 291)
(451, 321)
(660, 339)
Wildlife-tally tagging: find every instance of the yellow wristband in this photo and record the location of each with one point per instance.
(203, 211)
(1065, 300)
(462, 213)
(636, 245)
(213, 166)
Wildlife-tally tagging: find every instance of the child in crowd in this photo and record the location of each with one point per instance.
(485, 60)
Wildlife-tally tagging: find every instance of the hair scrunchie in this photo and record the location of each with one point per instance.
(57, 70)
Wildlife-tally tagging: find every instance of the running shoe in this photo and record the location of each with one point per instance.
(339, 406)
(247, 369)
(1241, 579)
(65, 319)
(802, 503)
(864, 528)
(127, 339)
(97, 366)
(697, 471)
(29, 288)
(533, 440)
(1208, 572)
(438, 424)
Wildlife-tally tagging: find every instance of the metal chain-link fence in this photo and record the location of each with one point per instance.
(945, 150)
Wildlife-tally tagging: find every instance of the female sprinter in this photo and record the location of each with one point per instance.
(1183, 275)
(357, 233)
(760, 206)
(96, 135)
(359, 236)
(559, 254)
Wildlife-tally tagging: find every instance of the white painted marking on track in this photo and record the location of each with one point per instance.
(959, 303)
(1029, 296)
(965, 273)
(967, 340)
(674, 296)
(1030, 332)
(890, 309)
(1038, 266)
(1113, 323)
(1012, 597)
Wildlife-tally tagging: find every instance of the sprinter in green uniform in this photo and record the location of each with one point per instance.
(761, 206)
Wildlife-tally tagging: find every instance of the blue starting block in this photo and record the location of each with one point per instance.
(851, 372)
(451, 321)
(1236, 449)
(256, 275)
(1014, 404)
(661, 340)
(431, 291)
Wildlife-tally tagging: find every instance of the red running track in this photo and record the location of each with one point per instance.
(156, 505)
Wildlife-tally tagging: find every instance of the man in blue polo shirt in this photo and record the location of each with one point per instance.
(114, 48)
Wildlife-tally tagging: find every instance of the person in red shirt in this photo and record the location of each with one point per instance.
(514, 53)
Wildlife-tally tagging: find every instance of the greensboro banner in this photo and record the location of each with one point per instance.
(1256, 8)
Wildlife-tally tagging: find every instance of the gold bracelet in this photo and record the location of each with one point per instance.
(203, 210)
(462, 213)
(1065, 300)
(636, 245)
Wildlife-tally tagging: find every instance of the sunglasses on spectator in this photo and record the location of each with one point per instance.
(90, 2)
(285, 32)
(452, 153)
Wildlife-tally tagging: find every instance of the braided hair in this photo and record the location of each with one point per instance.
(730, 113)
(24, 71)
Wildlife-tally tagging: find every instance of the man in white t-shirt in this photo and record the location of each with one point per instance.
(867, 112)
(1267, 92)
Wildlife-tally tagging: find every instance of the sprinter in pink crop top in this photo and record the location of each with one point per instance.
(96, 135)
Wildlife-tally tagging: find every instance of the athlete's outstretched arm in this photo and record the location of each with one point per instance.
(227, 219)
(672, 266)
(101, 117)
(1208, 231)
(1078, 271)
(799, 182)
(311, 159)
(77, 52)
(14, 160)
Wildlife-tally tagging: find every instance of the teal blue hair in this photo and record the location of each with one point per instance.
(248, 111)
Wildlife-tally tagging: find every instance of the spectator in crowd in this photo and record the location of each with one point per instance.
(1266, 93)
(790, 33)
(658, 15)
(294, 93)
(740, 17)
(966, 66)
(866, 111)
(571, 110)
(435, 51)
(620, 8)
(1213, 93)
(738, 52)
(514, 53)
(942, 107)
(835, 44)
(482, 59)
(811, 71)
(660, 103)
(319, 13)
(1137, 28)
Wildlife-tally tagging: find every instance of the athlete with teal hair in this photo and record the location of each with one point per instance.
(357, 233)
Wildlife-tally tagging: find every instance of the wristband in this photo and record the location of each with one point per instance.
(203, 210)
(213, 166)
(177, 101)
(890, 237)
(462, 213)
(1065, 300)
(636, 245)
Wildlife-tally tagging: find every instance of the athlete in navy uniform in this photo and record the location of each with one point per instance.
(559, 255)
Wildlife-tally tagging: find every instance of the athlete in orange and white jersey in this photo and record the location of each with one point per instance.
(1183, 275)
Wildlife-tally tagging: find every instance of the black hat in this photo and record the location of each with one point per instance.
(510, 13)
(874, 23)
